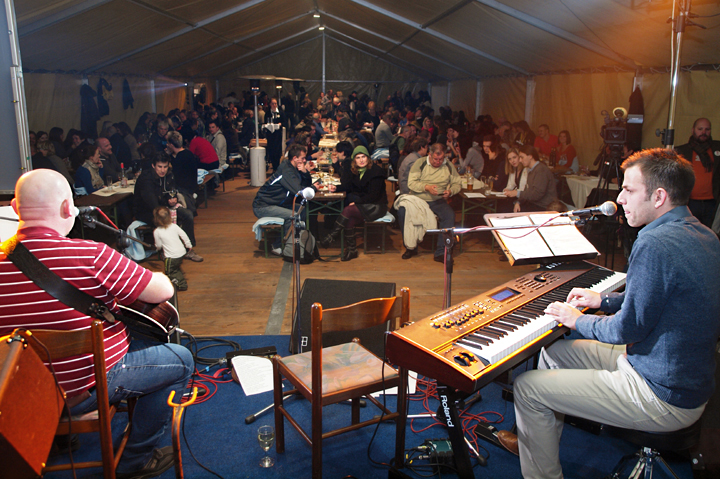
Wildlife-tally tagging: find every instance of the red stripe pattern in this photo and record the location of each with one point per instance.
(92, 267)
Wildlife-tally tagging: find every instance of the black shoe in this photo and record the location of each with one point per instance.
(64, 444)
(409, 253)
(161, 461)
(439, 258)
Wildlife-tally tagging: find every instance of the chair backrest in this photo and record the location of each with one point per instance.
(360, 315)
(62, 344)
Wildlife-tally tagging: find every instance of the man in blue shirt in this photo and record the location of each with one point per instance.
(650, 365)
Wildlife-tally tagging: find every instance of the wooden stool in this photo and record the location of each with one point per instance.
(383, 224)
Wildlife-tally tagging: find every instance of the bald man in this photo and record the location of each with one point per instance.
(704, 154)
(44, 203)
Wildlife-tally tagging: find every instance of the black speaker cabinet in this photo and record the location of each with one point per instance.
(333, 294)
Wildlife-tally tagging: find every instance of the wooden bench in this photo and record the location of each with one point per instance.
(267, 230)
(203, 185)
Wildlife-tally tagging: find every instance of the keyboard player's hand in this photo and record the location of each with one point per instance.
(584, 298)
(563, 313)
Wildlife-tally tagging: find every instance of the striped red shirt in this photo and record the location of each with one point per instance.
(92, 267)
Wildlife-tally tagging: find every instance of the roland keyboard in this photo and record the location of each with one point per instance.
(469, 344)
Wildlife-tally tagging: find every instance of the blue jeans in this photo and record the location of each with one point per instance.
(277, 212)
(149, 371)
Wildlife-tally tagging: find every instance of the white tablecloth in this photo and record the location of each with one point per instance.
(581, 186)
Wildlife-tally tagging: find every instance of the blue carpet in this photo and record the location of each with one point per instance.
(220, 439)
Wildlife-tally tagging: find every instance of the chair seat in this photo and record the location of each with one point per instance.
(340, 366)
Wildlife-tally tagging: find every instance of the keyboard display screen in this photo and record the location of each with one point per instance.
(504, 294)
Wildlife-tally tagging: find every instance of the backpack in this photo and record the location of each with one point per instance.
(308, 248)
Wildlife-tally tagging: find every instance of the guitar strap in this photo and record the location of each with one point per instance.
(71, 296)
(53, 284)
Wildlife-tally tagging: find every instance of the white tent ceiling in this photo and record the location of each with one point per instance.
(425, 40)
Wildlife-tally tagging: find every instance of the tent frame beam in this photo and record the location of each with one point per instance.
(258, 50)
(378, 57)
(559, 32)
(439, 35)
(182, 31)
(236, 42)
(60, 16)
(396, 43)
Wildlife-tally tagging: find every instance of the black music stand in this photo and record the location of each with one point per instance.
(450, 236)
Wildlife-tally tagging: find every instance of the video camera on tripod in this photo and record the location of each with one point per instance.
(614, 131)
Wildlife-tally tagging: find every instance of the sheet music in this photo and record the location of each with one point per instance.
(562, 240)
(412, 384)
(254, 373)
(518, 242)
(471, 194)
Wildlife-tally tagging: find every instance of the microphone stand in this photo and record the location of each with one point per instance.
(122, 236)
(297, 228)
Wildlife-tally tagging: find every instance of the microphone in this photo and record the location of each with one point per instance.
(307, 193)
(86, 209)
(608, 209)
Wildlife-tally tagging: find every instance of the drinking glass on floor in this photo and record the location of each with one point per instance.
(266, 437)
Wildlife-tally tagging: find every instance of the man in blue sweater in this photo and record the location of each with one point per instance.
(650, 365)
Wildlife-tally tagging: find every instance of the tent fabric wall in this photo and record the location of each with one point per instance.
(574, 103)
(462, 96)
(504, 98)
(170, 94)
(54, 99)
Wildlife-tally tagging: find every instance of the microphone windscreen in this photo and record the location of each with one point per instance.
(308, 193)
(608, 208)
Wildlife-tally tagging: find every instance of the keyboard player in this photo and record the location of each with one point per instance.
(650, 365)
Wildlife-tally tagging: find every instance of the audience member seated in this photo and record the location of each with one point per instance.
(90, 175)
(474, 158)
(364, 184)
(540, 190)
(544, 141)
(56, 138)
(275, 197)
(132, 143)
(567, 161)
(159, 136)
(77, 140)
(201, 148)
(47, 149)
(156, 187)
(217, 140)
(119, 145)
(342, 158)
(419, 149)
(110, 163)
(524, 134)
(383, 137)
(494, 155)
(434, 180)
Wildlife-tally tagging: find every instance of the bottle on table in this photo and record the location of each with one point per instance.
(123, 176)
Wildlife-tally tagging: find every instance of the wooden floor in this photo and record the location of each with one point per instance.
(233, 290)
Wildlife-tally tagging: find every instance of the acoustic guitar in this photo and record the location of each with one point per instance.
(153, 321)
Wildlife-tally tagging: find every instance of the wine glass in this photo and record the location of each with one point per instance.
(266, 437)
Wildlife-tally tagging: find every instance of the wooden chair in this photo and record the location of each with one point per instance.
(61, 344)
(348, 371)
